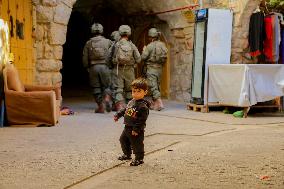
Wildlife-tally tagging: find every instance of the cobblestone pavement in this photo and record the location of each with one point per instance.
(184, 149)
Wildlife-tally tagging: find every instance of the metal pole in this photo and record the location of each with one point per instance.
(173, 10)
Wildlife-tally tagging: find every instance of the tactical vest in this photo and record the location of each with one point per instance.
(159, 53)
(98, 49)
(124, 53)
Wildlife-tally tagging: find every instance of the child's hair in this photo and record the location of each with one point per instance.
(140, 83)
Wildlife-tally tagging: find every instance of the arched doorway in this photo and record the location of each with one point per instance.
(111, 17)
(143, 40)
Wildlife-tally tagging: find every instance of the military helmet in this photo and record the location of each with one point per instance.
(124, 30)
(153, 32)
(115, 36)
(97, 28)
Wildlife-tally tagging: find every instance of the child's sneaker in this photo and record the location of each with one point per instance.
(136, 162)
(124, 157)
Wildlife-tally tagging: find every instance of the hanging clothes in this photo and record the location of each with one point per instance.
(272, 38)
(282, 45)
(256, 33)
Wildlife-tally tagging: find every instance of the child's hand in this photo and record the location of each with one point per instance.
(115, 118)
(134, 133)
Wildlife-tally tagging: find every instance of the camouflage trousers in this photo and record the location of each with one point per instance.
(154, 81)
(122, 78)
(100, 81)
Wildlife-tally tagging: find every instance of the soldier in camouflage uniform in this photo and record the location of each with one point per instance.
(115, 37)
(125, 57)
(94, 60)
(154, 56)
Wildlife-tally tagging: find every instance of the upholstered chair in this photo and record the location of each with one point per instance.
(29, 105)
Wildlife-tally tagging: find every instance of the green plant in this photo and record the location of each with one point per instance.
(276, 4)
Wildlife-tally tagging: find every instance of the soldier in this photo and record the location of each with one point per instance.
(94, 60)
(115, 37)
(125, 56)
(154, 56)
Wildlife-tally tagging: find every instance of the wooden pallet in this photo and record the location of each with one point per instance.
(205, 108)
(197, 108)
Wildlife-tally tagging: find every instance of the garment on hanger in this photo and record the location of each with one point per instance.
(280, 17)
(272, 38)
(256, 33)
(282, 45)
(257, 9)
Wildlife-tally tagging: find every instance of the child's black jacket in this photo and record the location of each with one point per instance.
(135, 114)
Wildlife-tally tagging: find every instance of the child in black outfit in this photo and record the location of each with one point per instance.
(135, 116)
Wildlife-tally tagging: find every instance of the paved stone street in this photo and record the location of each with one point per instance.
(184, 149)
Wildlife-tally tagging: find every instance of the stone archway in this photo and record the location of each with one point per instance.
(78, 32)
(52, 17)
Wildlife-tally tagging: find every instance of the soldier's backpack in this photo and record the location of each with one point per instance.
(124, 53)
(160, 53)
(98, 49)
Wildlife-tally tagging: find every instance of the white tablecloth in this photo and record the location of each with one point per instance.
(245, 84)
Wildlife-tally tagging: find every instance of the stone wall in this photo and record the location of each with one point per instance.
(181, 48)
(50, 34)
(52, 18)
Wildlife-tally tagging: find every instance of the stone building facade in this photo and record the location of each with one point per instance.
(52, 18)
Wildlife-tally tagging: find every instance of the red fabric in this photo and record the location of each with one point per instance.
(256, 53)
(268, 42)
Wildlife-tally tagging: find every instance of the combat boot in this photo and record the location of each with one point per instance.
(113, 107)
(119, 105)
(152, 105)
(107, 102)
(158, 104)
(100, 109)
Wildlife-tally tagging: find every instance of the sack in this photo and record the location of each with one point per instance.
(98, 50)
(124, 54)
(160, 53)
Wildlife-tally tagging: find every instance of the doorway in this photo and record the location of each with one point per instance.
(75, 77)
(143, 40)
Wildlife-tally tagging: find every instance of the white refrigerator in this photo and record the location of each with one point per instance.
(212, 45)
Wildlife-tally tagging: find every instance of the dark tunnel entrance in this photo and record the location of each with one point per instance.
(74, 76)
(78, 33)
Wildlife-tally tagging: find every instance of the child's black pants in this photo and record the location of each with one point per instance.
(127, 140)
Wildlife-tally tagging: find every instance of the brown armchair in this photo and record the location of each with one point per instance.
(29, 105)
